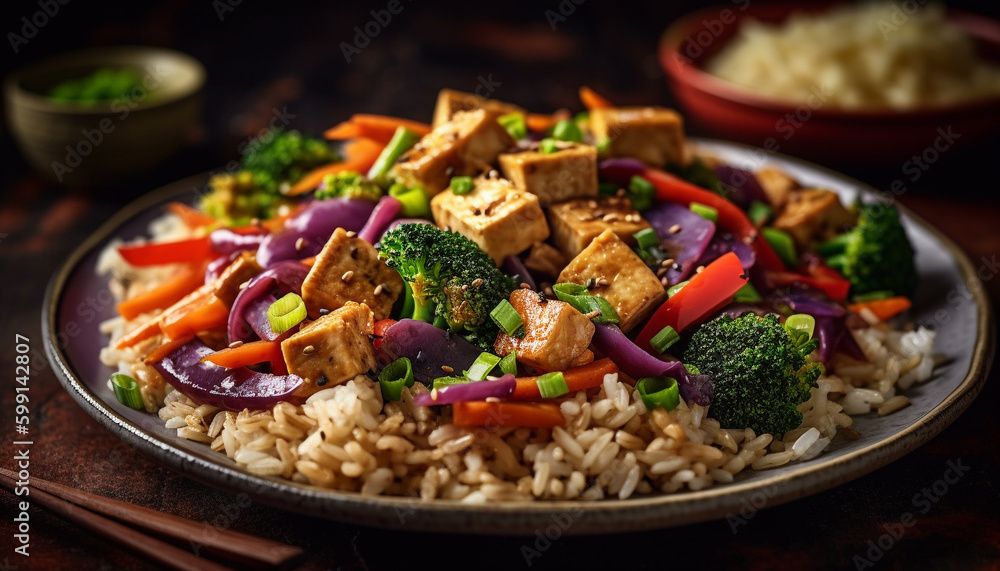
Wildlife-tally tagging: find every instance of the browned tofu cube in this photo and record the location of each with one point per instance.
(331, 350)
(575, 223)
(545, 260)
(570, 172)
(654, 135)
(501, 219)
(555, 333)
(620, 277)
(450, 102)
(777, 185)
(813, 215)
(465, 146)
(349, 269)
(244, 267)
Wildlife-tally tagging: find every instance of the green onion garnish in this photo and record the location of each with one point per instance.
(647, 239)
(747, 294)
(664, 339)
(782, 243)
(641, 192)
(514, 124)
(801, 324)
(692, 370)
(873, 296)
(672, 290)
(586, 303)
(286, 313)
(705, 211)
(760, 213)
(414, 200)
(394, 377)
(127, 391)
(506, 317)
(482, 366)
(567, 130)
(552, 385)
(462, 184)
(548, 146)
(509, 364)
(445, 382)
(602, 144)
(401, 142)
(661, 392)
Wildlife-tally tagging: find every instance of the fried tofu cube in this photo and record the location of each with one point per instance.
(776, 184)
(813, 215)
(555, 333)
(349, 269)
(545, 260)
(335, 347)
(620, 277)
(244, 267)
(570, 172)
(450, 102)
(576, 223)
(654, 135)
(501, 219)
(465, 146)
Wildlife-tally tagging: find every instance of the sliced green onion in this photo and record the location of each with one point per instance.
(641, 192)
(607, 188)
(705, 211)
(567, 130)
(506, 317)
(482, 366)
(691, 369)
(802, 323)
(402, 140)
(509, 364)
(659, 392)
(782, 243)
(394, 377)
(462, 184)
(583, 301)
(445, 382)
(286, 313)
(548, 146)
(760, 213)
(873, 296)
(672, 290)
(747, 294)
(552, 385)
(647, 238)
(664, 339)
(514, 124)
(602, 144)
(413, 200)
(127, 391)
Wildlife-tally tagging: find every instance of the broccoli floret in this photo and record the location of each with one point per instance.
(233, 199)
(452, 279)
(759, 374)
(284, 158)
(349, 184)
(875, 255)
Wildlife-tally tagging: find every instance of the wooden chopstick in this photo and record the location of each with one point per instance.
(65, 500)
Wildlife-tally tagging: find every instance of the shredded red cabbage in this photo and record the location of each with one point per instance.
(477, 390)
(686, 245)
(515, 268)
(741, 186)
(428, 348)
(284, 277)
(225, 241)
(306, 233)
(385, 212)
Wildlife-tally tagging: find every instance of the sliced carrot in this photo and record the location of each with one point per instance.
(361, 154)
(161, 352)
(164, 295)
(497, 414)
(310, 261)
(191, 216)
(540, 123)
(591, 100)
(132, 338)
(577, 379)
(247, 354)
(345, 130)
(884, 309)
(382, 127)
(198, 311)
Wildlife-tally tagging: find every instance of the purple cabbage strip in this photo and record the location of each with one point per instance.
(741, 186)
(687, 245)
(313, 226)
(385, 212)
(513, 266)
(620, 171)
(637, 364)
(810, 301)
(723, 245)
(231, 389)
(427, 347)
(285, 276)
(218, 265)
(225, 241)
(477, 390)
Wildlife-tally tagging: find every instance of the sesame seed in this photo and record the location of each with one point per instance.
(589, 284)
(492, 399)
(621, 192)
(351, 233)
(378, 289)
(493, 173)
(308, 350)
(602, 282)
(599, 213)
(322, 381)
(661, 272)
(610, 217)
(525, 286)
(447, 369)
(235, 344)
(465, 287)
(324, 311)
(548, 291)
(434, 394)
(676, 267)
(592, 314)
(699, 269)
(244, 285)
(675, 229)
(300, 243)
(477, 282)
(591, 204)
(347, 275)
(667, 262)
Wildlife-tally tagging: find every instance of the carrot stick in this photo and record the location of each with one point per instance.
(147, 331)
(497, 414)
(884, 309)
(310, 261)
(164, 295)
(381, 127)
(361, 154)
(247, 354)
(161, 352)
(591, 100)
(192, 217)
(346, 130)
(539, 122)
(577, 379)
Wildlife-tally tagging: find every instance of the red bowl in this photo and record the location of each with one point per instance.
(811, 130)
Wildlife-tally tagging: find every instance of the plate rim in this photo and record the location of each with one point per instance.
(412, 513)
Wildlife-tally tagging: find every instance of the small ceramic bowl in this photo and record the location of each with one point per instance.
(92, 144)
(811, 130)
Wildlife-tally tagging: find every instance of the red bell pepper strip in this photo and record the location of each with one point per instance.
(157, 253)
(822, 278)
(705, 293)
(731, 218)
(379, 331)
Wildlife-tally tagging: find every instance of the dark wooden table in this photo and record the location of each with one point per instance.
(608, 47)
